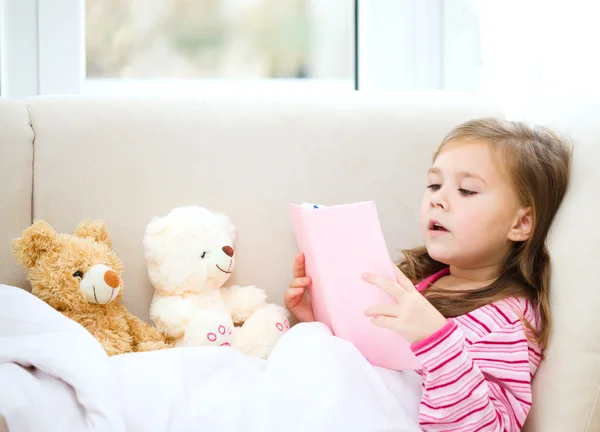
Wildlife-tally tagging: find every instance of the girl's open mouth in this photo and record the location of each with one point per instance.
(436, 226)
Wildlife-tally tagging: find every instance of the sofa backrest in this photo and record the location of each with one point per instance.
(125, 161)
(567, 384)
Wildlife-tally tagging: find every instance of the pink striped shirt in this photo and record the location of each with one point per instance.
(477, 369)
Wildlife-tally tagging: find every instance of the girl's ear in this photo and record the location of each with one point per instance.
(522, 227)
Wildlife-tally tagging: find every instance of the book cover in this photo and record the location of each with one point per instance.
(340, 243)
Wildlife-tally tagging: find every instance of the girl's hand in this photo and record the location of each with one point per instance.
(295, 297)
(411, 316)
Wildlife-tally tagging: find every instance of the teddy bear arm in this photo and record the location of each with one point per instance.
(112, 345)
(243, 301)
(171, 315)
(93, 330)
(145, 337)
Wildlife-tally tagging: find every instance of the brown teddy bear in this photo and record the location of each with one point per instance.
(80, 276)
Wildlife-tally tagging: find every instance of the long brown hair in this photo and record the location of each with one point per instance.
(538, 160)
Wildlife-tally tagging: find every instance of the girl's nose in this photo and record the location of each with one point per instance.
(439, 200)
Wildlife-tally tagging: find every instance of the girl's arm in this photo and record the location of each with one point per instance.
(484, 386)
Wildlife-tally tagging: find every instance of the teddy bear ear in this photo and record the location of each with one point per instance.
(226, 222)
(231, 230)
(36, 240)
(96, 229)
(156, 226)
(153, 241)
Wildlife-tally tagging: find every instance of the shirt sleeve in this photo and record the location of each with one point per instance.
(484, 386)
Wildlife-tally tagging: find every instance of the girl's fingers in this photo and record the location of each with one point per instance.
(385, 322)
(295, 291)
(299, 266)
(382, 310)
(301, 282)
(391, 287)
(403, 281)
(292, 296)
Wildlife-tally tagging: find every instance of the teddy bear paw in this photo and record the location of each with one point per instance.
(283, 326)
(222, 336)
(262, 330)
(209, 329)
(151, 346)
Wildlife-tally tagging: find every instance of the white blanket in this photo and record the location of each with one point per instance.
(55, 376)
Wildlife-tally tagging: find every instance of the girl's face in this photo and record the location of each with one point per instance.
(470, 213)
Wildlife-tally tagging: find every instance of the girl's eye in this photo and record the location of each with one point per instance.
(433, 187)
(78, 274)
(465, 192)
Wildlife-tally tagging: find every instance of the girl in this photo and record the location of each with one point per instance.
(478, 318)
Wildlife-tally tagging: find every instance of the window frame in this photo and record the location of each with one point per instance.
(398, 45)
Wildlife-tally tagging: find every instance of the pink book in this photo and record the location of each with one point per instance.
(339, 244)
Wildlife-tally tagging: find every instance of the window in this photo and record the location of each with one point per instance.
(510, 50)
(171, 46)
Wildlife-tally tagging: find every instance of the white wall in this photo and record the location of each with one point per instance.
(42, 47)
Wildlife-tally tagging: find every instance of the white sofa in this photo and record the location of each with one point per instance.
(64, 159)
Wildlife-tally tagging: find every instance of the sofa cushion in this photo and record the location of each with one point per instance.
(16, 159)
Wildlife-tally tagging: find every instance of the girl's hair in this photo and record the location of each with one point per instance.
(538, 161)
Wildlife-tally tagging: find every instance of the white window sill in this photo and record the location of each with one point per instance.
(195, 88)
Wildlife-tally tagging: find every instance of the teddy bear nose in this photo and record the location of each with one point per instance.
(228, 251)
(112, 279)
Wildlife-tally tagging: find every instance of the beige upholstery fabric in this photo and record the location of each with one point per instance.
(127, 160)
(567, 386)
(16, 153)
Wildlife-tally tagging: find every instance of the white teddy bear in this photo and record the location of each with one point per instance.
(190, 255)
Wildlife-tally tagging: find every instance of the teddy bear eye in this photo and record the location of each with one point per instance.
(203, 254)
(78, 274)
